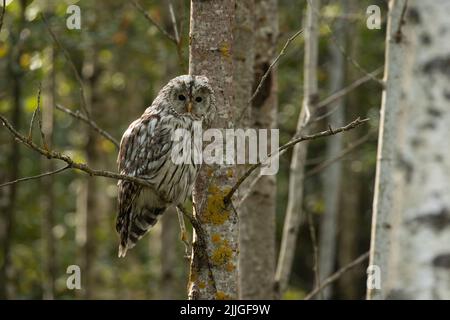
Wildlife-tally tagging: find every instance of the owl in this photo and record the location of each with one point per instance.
(145, 152)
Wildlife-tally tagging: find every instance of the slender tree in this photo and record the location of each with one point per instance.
(331, 177)
(213, 273)
(410, 231)
(296, 174)
(48, 197)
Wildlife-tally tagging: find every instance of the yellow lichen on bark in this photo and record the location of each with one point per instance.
(215, 212)
(222, 296)
(222, 254)
(225, 49)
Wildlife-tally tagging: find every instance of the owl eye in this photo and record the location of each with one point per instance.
(181, 97)
(198, 99)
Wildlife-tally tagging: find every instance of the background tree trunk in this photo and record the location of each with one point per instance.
(257, 219)
(213, 272)
(417, 213)
(296, 175)
(15, 72)
(331, 177)
(383, 215)
(48, 197)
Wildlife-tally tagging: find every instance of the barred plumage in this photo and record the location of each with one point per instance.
(145, 151)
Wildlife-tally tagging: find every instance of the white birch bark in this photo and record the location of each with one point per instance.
(411, 229)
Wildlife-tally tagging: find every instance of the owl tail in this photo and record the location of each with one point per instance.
(138, 227)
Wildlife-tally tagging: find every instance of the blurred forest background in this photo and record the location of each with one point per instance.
(124, 60)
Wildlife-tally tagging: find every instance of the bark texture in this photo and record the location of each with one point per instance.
(382, 217)
(414, 218)
(296, 173)
(213, 272)
(257, 219)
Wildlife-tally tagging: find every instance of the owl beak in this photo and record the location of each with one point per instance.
(189, 107)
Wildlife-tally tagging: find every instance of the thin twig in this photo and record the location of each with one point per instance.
(33, 117)
(325, 164)
(71, 64)
(93, 124)
(352, 125)
(35, 177)
(153, 22)
(341, 93)
(312, 232)
(342, 49)
(174, 22)
(266, 74)
(335, 276)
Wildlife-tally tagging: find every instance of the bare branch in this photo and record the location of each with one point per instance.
(352, 125)
(335, 276)
(342, 49)
(93, 124)
(36, 110)
(35, 177)
(325, 164)
(266, 74)
(344, 91)
(153, 22)
(174, 22)
(49, 154)
(71, 63)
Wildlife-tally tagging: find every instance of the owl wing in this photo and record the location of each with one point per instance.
(144, 147)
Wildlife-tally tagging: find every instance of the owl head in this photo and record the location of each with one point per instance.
(192, 97)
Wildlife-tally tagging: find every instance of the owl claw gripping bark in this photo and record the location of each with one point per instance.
(145, 151)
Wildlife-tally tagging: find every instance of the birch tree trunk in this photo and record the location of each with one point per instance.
(213, 272)
(411, 229)
(296, 174)
(331, 177)
(257, 220)
(382, 216)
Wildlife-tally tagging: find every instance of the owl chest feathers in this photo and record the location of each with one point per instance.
(172, 181)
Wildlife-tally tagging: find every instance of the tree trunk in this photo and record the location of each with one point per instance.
(382, 218)
(296, 174)
(257, 218)
(90, 209)
(14, 157)
(415, 218)
(213, 272)
(48, 197)
(331, 177)
(350, 214)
